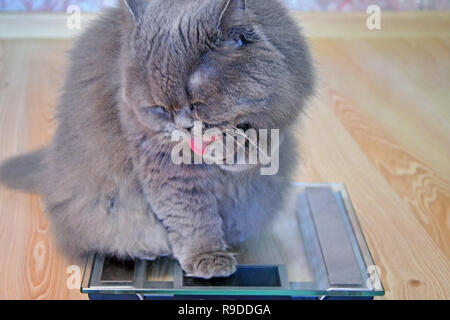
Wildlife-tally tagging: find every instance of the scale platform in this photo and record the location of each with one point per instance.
(314, 248)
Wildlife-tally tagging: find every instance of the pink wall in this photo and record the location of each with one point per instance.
(307, 5)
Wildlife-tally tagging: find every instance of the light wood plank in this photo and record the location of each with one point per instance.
(412, 265)
(32, 267)
(405, 132)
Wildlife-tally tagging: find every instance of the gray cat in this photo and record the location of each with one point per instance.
(140, 72)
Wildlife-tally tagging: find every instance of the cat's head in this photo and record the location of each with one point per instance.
(216, 61)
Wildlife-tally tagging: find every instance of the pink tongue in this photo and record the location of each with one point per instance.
(199, 148)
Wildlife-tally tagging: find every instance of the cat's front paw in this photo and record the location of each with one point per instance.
(210, 265)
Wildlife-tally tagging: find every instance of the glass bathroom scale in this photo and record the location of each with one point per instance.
(314, 248)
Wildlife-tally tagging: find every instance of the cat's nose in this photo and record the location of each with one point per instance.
(183, 118)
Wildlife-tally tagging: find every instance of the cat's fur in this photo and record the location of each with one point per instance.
(107, 179)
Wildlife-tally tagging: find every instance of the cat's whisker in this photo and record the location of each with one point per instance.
(235, 140)
(250, 140)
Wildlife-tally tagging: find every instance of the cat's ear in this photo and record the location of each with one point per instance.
(233, 13)
(135, 8)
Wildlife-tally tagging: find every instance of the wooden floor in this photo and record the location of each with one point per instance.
(380, 123)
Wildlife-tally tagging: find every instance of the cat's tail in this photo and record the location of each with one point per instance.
(24, 172)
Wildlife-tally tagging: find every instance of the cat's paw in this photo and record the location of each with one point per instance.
(210, 265)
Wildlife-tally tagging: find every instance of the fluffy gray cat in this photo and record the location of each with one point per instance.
(143, 70)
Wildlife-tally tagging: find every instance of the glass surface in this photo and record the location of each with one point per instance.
(114, 269)
(314, 247)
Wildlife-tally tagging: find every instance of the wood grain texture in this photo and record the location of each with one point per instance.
(31, 266)
(380, 123)
(375, 127)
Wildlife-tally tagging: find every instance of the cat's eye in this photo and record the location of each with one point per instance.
(240, 37)
(156, 110)
(234, 44)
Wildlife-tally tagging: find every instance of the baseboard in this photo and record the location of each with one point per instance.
(315, 25)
